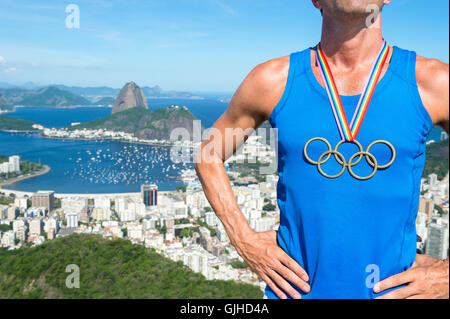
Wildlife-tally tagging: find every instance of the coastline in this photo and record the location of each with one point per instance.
(162, 143)
(19, 131)
(43, 171)
(165, 143)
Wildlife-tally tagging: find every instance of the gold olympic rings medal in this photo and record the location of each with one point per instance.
(393, 153)
(368, 155)
(337, 155)
(370, 158)
(312, 140)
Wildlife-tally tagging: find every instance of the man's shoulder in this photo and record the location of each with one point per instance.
(432, 76)
(264, 85)
(274, 71)
(271, 71)
(431, 72)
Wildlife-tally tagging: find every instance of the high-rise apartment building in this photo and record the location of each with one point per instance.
(437, 242)
(36, 226)
(426, 206)
(14, 162)
(72, 220)
(432, 179)
(149, 195)
(44, 199)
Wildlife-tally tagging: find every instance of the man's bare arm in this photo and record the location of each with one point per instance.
(433, 82)
(249, 108)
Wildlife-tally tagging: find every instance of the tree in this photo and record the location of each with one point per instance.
(5, 227)
(185, 233)
(269, 207)
(239, 264)
(110, 269)
(182, 221)
(440, 210)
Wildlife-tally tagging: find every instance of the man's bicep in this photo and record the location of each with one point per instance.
(433, 83)
(232, 129)
(252, 104)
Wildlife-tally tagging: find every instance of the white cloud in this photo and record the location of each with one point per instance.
(2, 60)
(10, 70)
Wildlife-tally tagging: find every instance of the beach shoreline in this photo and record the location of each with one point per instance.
(45, 169)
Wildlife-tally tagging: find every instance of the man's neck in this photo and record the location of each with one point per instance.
(349, 44)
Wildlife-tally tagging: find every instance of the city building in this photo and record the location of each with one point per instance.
(432, 179)
(100, 213)
(21, 202)
(211, 219)
(8, 238)
(13, 212)
(149, 195)
(20, 229)
(437, 243)
(72, 220)
(77, 205)
(12, 166)
(44, 199)
(36, 226)
(426, 206)
(51, 223)
(14, 161)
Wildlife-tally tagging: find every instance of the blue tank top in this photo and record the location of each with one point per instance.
(346, 232)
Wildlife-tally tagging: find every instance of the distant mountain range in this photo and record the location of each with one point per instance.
(104, 91)
(30, 94)
(45, 97)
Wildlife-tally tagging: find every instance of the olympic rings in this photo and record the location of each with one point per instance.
(312, 140)
(336, 154)
(370, 158)
(375, 166)
(393, 153)
(354, 142)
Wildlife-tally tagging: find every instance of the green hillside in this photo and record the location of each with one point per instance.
(9, 123)
(53, 97)
(144, 123)
(108, 269)
(437, 159)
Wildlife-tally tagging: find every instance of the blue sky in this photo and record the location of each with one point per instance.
(193, 45)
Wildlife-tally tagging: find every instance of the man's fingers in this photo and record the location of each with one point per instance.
(292, 277)
(283, 284)
(401, 293)
(274, 287)
(394, 281)
(294, 266)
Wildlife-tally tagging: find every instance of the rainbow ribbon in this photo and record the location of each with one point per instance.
(349, 132)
